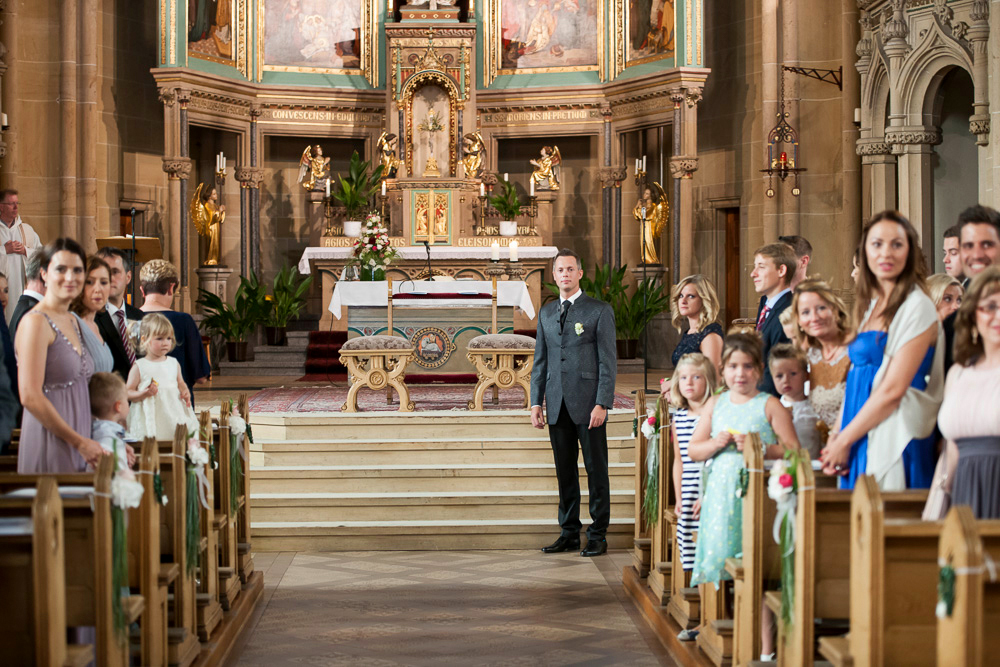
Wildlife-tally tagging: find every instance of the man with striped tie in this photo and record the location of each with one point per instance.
(113, 323)
(774, 267)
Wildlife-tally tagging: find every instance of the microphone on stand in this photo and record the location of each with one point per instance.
(427, 246)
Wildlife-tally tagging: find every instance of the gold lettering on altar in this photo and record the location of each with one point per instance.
(325, 115)
(565, 114)
(487, 241)
(348, 241)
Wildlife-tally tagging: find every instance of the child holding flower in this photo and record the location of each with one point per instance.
(160, 398)
(719, 439)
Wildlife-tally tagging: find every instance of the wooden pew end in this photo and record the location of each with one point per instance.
(133, 606)
(837, 650)
(734, 566)
(772, 600)
(79, 655)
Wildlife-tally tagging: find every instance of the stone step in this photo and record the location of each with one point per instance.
(293, 346)
(263, 368)
(416, 451)
(406, 535)
(280, 355)
(426, 478)
(419, 506)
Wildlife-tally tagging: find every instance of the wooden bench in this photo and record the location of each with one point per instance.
(968, 636)
(822, 563)
(661, 562)
(87, 530)
(209, 607)
(641, 541)
(502, 361)
(33, 582)
(227, 510)
(243, 523)
(893, 589)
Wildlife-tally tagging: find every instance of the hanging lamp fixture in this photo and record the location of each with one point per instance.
(782, 148)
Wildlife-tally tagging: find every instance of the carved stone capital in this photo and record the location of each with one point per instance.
(980, 126)
(693, 96)
(872, 147)
(168, 96)
(676, 95)
(250, 177)
(490, 179)
(683, 166)
(612, 177)
(606, 113)
(980, 11)
(183, 96)
(895, 30)
(899, 138)
(177, 168)
(256, 111)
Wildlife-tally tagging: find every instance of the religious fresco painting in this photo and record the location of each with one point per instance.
(312, 35)
(650, 30)
(211, 32)
(549, 35)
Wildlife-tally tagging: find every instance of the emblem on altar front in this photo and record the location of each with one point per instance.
(433, 347)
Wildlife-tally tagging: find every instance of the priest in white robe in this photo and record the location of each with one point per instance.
(17, 239)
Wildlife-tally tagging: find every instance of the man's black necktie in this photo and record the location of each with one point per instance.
(562, 316)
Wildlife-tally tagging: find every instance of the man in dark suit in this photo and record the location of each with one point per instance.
(978, 247)
(574, 372)
(34, 290)
(113, 322)
(774, 267)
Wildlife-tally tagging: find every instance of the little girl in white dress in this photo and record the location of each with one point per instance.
(160, 398)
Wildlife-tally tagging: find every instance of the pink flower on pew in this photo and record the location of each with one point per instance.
(651, 421)
(785, 480)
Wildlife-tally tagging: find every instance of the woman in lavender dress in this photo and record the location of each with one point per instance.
(55, 369)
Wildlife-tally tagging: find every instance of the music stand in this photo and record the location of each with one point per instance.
(139, 249)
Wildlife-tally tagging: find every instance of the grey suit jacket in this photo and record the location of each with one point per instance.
(578, 369)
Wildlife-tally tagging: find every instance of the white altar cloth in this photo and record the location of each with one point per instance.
(374, 293)
(437, 253)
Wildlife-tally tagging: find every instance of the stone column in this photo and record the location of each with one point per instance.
(183, 98)
(178, 170)
(913, 147)
(10, 106)
(879, 165)
(89, 118)
(851, 165)
(250, 179)
(611, 182)
(607, 238)
(979, 123)
(68, 93)
(683, 164)
(254, 194)
(864, 50)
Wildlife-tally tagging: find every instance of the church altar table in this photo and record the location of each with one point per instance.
(458, 262)
(439, 318)
(374, 293)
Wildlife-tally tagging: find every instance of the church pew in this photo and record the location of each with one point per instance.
(641, 541)
(226, 514)
(243, 544)
(209, 609)
(968, 636)
(822, 562)
(660, 556)
(33, 582)
(893, 575)
(146, 573)
(685, 601)
(87, 522)
(182, 631)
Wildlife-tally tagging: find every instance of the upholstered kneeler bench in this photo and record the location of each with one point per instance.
(502, 361)
(377, 362)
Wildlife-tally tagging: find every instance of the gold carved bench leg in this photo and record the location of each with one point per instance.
(351, 404)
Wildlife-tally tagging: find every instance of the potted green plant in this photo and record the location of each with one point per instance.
(287, 299)
(508, 205)
(237, 322)
(633, 312)
(355, 192)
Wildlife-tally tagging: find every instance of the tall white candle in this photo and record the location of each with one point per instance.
(513, 251)
(482, 189)
(218, 163)
(505, 176)
(644, 163)
(383, 188)
(223, 163)
(495, 251)
(328, 187)
(532, 182)
(637, 165)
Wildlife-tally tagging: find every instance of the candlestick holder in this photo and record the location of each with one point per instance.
(640, 177)
(328, 215)
(382, 201)
(514, 271)
(220, 178)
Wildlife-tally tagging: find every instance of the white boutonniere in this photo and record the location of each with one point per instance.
(579, 329)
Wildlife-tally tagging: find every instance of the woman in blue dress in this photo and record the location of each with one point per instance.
(895, 384)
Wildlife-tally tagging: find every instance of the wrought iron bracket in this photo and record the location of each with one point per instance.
(834, 76)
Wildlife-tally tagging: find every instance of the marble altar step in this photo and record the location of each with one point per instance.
(461, 450)
(415, 478)
(273, 360)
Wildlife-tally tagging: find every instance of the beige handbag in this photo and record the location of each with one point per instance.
(938, 498)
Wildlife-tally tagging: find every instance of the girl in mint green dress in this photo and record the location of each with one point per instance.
(718, 440)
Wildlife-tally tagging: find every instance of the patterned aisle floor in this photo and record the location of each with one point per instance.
(445, 608)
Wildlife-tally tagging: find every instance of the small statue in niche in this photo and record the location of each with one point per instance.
(314, 169)
(208, 215)
(653, 219)
(474, 149)
(430, 125)
(387, 154)
(547, 168)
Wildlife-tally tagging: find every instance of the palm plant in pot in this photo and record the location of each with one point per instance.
(355, 191)
(287, 299)
(235, 323)
(633, 312)
(508, 205)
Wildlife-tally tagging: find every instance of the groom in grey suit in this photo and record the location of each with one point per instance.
(574, 371)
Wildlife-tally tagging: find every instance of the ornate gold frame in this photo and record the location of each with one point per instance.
(369, 47)
(494, 44)
(620, 57)
(238, 11)
(454, 132)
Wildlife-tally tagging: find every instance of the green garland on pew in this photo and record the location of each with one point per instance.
(235, 472)
(119, 571)
(787, 544)
(651, 493)
(193, 523)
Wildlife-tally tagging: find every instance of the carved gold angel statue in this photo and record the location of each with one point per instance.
(656, 217)
(208, 216)
(313, 168)
(475, 151)
(546, 174)
(387, 154)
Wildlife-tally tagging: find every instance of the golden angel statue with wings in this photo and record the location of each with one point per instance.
(474, 149)
(653, 217)
(546, 173)
(313, 168)
(208, 216)
(387, 154)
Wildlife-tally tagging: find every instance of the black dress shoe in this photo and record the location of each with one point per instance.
(564, 543)
(595, 548)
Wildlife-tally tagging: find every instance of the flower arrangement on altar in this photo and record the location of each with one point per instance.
(373, 251)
